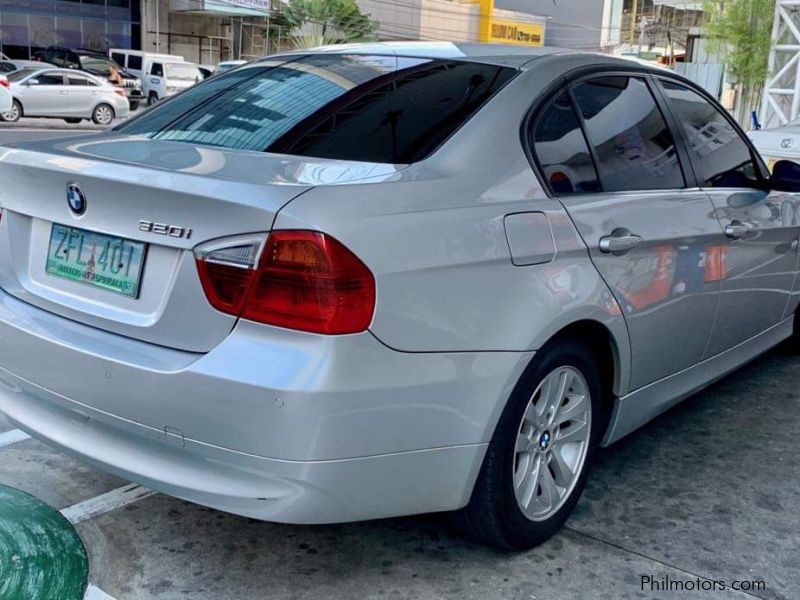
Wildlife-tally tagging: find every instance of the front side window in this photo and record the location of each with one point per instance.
(351, 107)
(561, 149)
(632, 144)
(157, 69)
(720, 156)
(47, 79)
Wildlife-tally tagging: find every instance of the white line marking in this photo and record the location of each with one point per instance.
(100, 505)
(12, 437)
(95, 593)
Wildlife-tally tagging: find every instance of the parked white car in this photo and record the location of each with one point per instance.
(162, 75)
(5, 94)
(779, 143)
(64, 94)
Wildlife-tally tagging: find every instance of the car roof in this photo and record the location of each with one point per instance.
(65, 72)
(517, 56)
(505, 54)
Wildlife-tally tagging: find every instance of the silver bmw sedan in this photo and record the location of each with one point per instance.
(378, 280)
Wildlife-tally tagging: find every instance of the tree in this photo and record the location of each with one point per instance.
(328, 21)
(741, 31)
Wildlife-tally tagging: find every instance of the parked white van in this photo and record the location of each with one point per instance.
(162, 75)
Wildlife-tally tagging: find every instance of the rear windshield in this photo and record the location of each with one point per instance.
(352, 107)
(21, 74)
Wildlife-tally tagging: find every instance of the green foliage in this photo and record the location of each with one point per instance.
(741, 31)
(330, 20)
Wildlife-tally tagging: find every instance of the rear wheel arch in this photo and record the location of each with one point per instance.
(604, 347)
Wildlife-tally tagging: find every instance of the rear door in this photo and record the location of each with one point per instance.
(45, 94)
(649, 234)
(761, 227)
(82, 94)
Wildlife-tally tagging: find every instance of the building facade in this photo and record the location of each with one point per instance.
(27, 26)
(208, 31)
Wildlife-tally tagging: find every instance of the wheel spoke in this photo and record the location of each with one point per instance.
(561, 470)
(575, 408)
(532, 482)
(523, 442)
(523, 470)
(549, 495)
(556, 392)
(532, 416)
(577, 431)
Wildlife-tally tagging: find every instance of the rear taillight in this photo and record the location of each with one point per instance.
(298, 279)
(4, 82)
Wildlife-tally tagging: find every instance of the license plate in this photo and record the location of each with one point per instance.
(104, 261)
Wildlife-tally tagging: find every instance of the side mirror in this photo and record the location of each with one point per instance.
(785, 176)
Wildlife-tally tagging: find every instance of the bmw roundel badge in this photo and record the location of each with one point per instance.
(76, 199)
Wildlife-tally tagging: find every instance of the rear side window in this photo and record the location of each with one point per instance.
(351, 107)
(720, 156)
(135, 62)
(633, 146)
(561, 149)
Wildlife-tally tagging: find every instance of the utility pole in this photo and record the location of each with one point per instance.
(633, 19)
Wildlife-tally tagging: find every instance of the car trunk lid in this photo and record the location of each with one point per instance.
(169, 196)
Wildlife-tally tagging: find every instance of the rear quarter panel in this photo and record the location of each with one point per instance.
(435, 239)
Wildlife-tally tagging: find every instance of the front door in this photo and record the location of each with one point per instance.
(45, 94)
(652, 240)
(761, 227)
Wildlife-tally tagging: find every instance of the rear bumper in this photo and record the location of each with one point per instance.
(272, 424)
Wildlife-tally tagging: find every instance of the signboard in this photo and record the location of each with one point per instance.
(523, 33)
(259, 5)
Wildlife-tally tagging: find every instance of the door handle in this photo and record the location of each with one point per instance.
(736, 230)
(619, 243)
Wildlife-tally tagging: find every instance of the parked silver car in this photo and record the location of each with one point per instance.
(65, 94)
(382, 280)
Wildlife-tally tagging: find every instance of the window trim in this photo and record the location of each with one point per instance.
(567, 83)
(761, 171)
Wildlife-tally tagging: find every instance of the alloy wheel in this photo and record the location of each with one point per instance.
(552, 443)
(12, 115)
(103, 115)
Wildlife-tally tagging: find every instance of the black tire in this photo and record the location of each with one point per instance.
(133, 105)
(493, 514)
(99, 112)
(152, 99)
(8, 118)
(73, 120)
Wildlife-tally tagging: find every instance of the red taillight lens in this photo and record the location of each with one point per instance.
(4, 82)
(305, 280)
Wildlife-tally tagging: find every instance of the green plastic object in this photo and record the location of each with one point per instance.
(41, 554)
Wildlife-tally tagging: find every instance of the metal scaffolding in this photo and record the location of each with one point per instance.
(781, 101)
